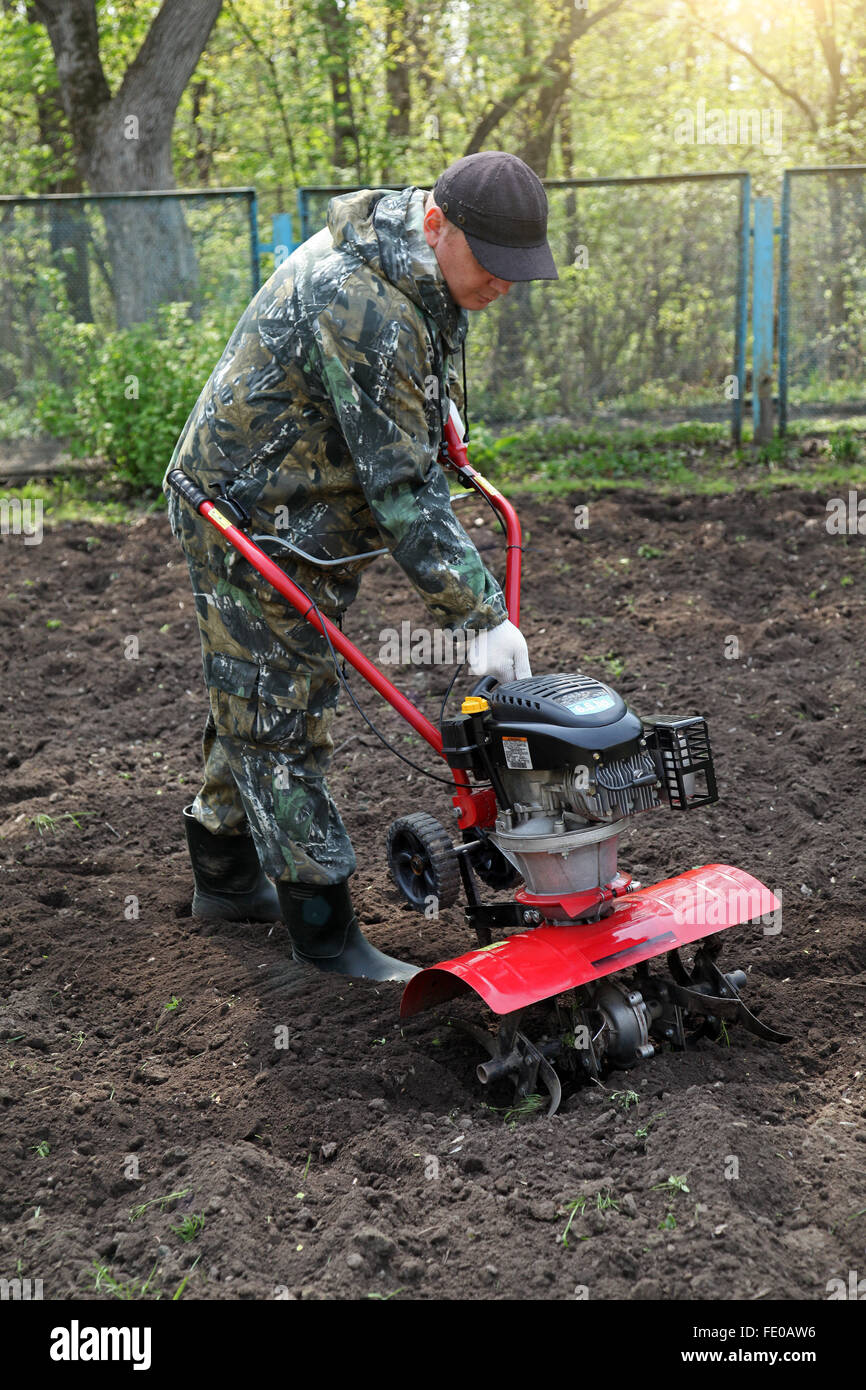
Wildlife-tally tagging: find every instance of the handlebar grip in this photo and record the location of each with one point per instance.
(485, 685)
(186, 488)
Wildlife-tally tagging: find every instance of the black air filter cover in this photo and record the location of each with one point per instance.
(559, 720)
(576, 702)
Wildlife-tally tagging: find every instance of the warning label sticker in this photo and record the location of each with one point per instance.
(517, 753)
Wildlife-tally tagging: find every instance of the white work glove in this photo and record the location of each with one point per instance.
(501, 652)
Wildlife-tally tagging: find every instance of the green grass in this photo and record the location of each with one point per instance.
(105, 1280)
(573, 1208)
(97, 500)
(693, 457)
(625, 1099)
(604, 1201)
(642, 1131)
(44, 822)
(161, 1202)
(522, 1109)
(190, 1226)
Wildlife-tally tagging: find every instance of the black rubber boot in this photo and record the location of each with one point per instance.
(229, 881)
(324, 932)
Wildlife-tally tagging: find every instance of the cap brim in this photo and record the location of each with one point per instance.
(514, 262)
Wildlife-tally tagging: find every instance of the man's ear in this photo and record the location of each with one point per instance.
(434, 225)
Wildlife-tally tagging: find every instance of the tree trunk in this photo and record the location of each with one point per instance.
(337, 36)
(397, 122)
(69, 237)
(202, 149)
(68, 230)
(540, 121)
(123, 143)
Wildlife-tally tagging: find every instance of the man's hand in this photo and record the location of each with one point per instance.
(501, 652)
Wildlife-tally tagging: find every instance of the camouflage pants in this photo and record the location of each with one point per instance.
(267, 741)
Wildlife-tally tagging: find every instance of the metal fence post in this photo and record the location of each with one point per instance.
(762, 321)
(254, 242)
(304, 213)
(284, 237)
(282, 242)
(784, 285)
(742, 308)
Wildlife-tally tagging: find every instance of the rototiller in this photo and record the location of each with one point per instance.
(548, 772)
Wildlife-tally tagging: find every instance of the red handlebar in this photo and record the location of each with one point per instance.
(458, 457)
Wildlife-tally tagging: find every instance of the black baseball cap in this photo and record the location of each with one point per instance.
(501, 206)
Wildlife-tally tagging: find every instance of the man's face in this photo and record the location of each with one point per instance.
(471, 286)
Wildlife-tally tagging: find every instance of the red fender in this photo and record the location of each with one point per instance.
(548, 960)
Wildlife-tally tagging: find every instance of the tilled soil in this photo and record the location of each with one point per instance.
(155, 1068)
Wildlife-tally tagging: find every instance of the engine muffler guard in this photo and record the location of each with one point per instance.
(533, 965)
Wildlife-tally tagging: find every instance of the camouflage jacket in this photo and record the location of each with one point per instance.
(325, 413)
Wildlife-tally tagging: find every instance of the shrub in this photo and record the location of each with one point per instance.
(127, 394)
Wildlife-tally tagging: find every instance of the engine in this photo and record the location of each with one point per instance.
(571, 765)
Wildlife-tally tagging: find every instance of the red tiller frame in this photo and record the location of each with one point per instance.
(455, 453)
(475, 806)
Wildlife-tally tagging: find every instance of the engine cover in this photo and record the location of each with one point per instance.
(572, 700)
(549, 722)
(570, 764)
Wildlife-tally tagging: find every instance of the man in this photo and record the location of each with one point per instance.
(323, 420)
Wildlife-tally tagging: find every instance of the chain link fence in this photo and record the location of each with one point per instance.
(822, 293)
(112, 261)
(647, 319)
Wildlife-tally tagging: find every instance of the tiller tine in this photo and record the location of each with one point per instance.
(513, 1054)
(709, 992)
(545, 961)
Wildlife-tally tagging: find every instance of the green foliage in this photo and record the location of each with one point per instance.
(591, 452)
(75, 498)
(132, 1289)
(304, 93)
(42, 820)
(175, 1001)
(578, 1206)
(261, 106)
(642, 1131)
(846, 447)
(676, 1183)
(127, 394)
(162, 1202)
(190, 1226)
